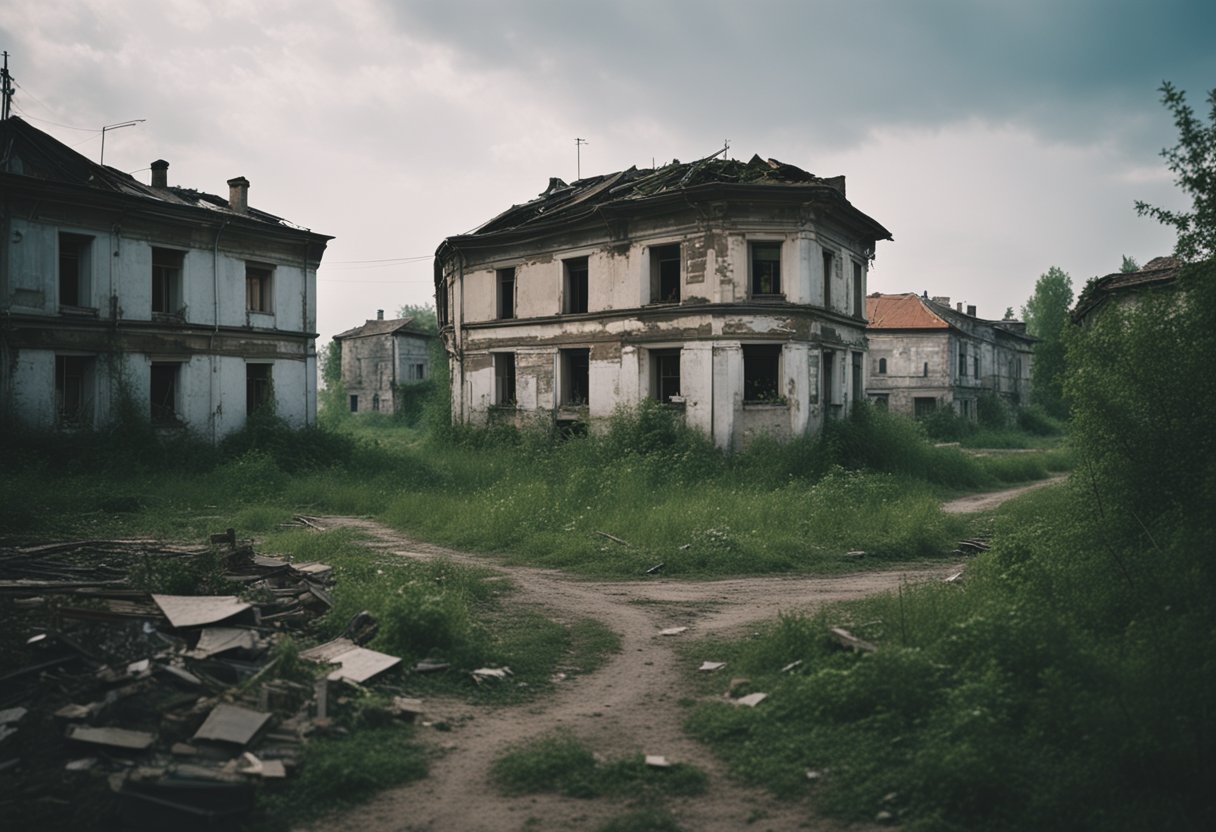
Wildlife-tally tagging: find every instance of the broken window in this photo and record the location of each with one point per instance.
(163, 392)
(859, 308)
(418, 371)
(923, 406)
(857, 377)
(664, 375)
(576, 377)
(574, 286)
(665, 274)
(258, 286)
(73, 390)
(962, 360)
(504, 379)
(829, 378)
(882, 366)
(762, 372)
(766, 268)
(166, 281)
(259, 388)
(828, 263)
(354, 403)
(506, 292)
(75, 268)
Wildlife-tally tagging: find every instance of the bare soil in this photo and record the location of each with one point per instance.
(630, 705)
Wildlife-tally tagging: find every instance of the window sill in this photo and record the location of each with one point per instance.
(778, 297)
(78, 311)
(675, 302)
(766, 405)
(169, 317)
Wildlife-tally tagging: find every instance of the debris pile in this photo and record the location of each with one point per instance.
(172, 704)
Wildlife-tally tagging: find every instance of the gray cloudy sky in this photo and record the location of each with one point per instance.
(994, 139)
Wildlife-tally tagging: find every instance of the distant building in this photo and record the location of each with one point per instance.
(381, 356)
(925, 355)
(732, 292)
(1158, 274)
(193, 308)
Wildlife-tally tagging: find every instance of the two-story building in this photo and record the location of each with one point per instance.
(925, 355)
(189, 307)
(379, 358)
(733, 291)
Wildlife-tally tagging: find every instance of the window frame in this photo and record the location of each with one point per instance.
(505, 380)
(756, 274)
(81, 371)
(164, 414)
(504, 293)
(666, 273)
(167, 276)
(75, 270)
(575, 368)
(259, 301)
(829, 268)
(859, 303)
(576, 285)
(661, 363)
(762, 374)
(259, 392)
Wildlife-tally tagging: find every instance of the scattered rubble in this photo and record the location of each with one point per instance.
(172, 701)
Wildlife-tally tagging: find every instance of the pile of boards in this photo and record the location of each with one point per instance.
(173, 699)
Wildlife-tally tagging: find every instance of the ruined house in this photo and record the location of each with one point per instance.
(925, 355)
(380, 357)
(1158, 274)
(733, 292)
(192, 308)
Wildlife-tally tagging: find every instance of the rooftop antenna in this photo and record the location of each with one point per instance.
(6, 90)
(726, 148)
(130, 123)
(578, 155)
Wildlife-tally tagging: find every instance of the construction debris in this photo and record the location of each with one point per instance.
(672, 631)
(358, 664)
(851, 642)
(657, 761)
(709, 667)
(751, 700)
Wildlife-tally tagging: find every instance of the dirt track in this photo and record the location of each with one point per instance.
(630, 705)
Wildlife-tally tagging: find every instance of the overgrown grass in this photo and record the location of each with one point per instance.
(1051, 690)
(563, 765)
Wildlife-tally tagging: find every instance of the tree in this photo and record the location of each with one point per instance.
(1129, 265)
(332, 397)
(1193, 162)
(1008, 314)
(1046, 316)
(423, 315)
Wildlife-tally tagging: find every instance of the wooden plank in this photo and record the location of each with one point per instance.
(197, 610)
(113, 737)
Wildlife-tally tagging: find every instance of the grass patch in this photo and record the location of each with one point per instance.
(563, 765)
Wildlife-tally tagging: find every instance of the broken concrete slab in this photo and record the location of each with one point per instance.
(112, 737)
(232, 724)
(657, 761)
(751, 700)
(12, 715)
(709, 667)
(198, 610)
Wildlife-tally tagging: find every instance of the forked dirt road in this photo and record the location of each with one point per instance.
(629, 705)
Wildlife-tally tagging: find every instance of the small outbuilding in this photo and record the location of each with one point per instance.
(380, 357)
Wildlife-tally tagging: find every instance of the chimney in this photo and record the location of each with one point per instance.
(959, 307)
(942, 300)
(160, 174)
(238, 194)
(379, 314)
(971, 311)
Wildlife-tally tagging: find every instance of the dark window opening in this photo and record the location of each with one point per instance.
(829, 377)
(376, 402)
(857, 375)
(506, 293)
(664, 375)
(882, 366)
(976, 366)
(925, 371)
(74, 268)
(163, 392)
(73, 390)
(665, 274)
(962, 361)
(504, 379)
(828, 264)
(258, 387)
(575, 285)
(859, 307)
(258, 297)
(354, 403)
(576, 377)
(418, 371)
(923, 406)
(166, 281)
(766, 268)
(965, 408)
(762, 373)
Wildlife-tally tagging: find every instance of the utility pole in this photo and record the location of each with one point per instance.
(578, 156)
(6, 90)
(130, 123)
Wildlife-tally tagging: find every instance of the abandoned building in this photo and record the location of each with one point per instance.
(925, 355)
(379, 358)
(731, 291)
(1158, 274)
(193, 308)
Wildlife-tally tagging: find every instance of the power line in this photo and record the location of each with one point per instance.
(386, 260)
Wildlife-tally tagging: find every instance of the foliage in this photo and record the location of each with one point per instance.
(331, 398)
(991, 411)
(1129, 265)
(1193, 162)
(562, 764)
(422, 315)
(1046, 316)
(1035, 421)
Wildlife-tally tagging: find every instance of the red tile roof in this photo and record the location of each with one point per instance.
(907, 311)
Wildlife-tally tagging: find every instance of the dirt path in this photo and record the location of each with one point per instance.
(980, 502)
(630, 705)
